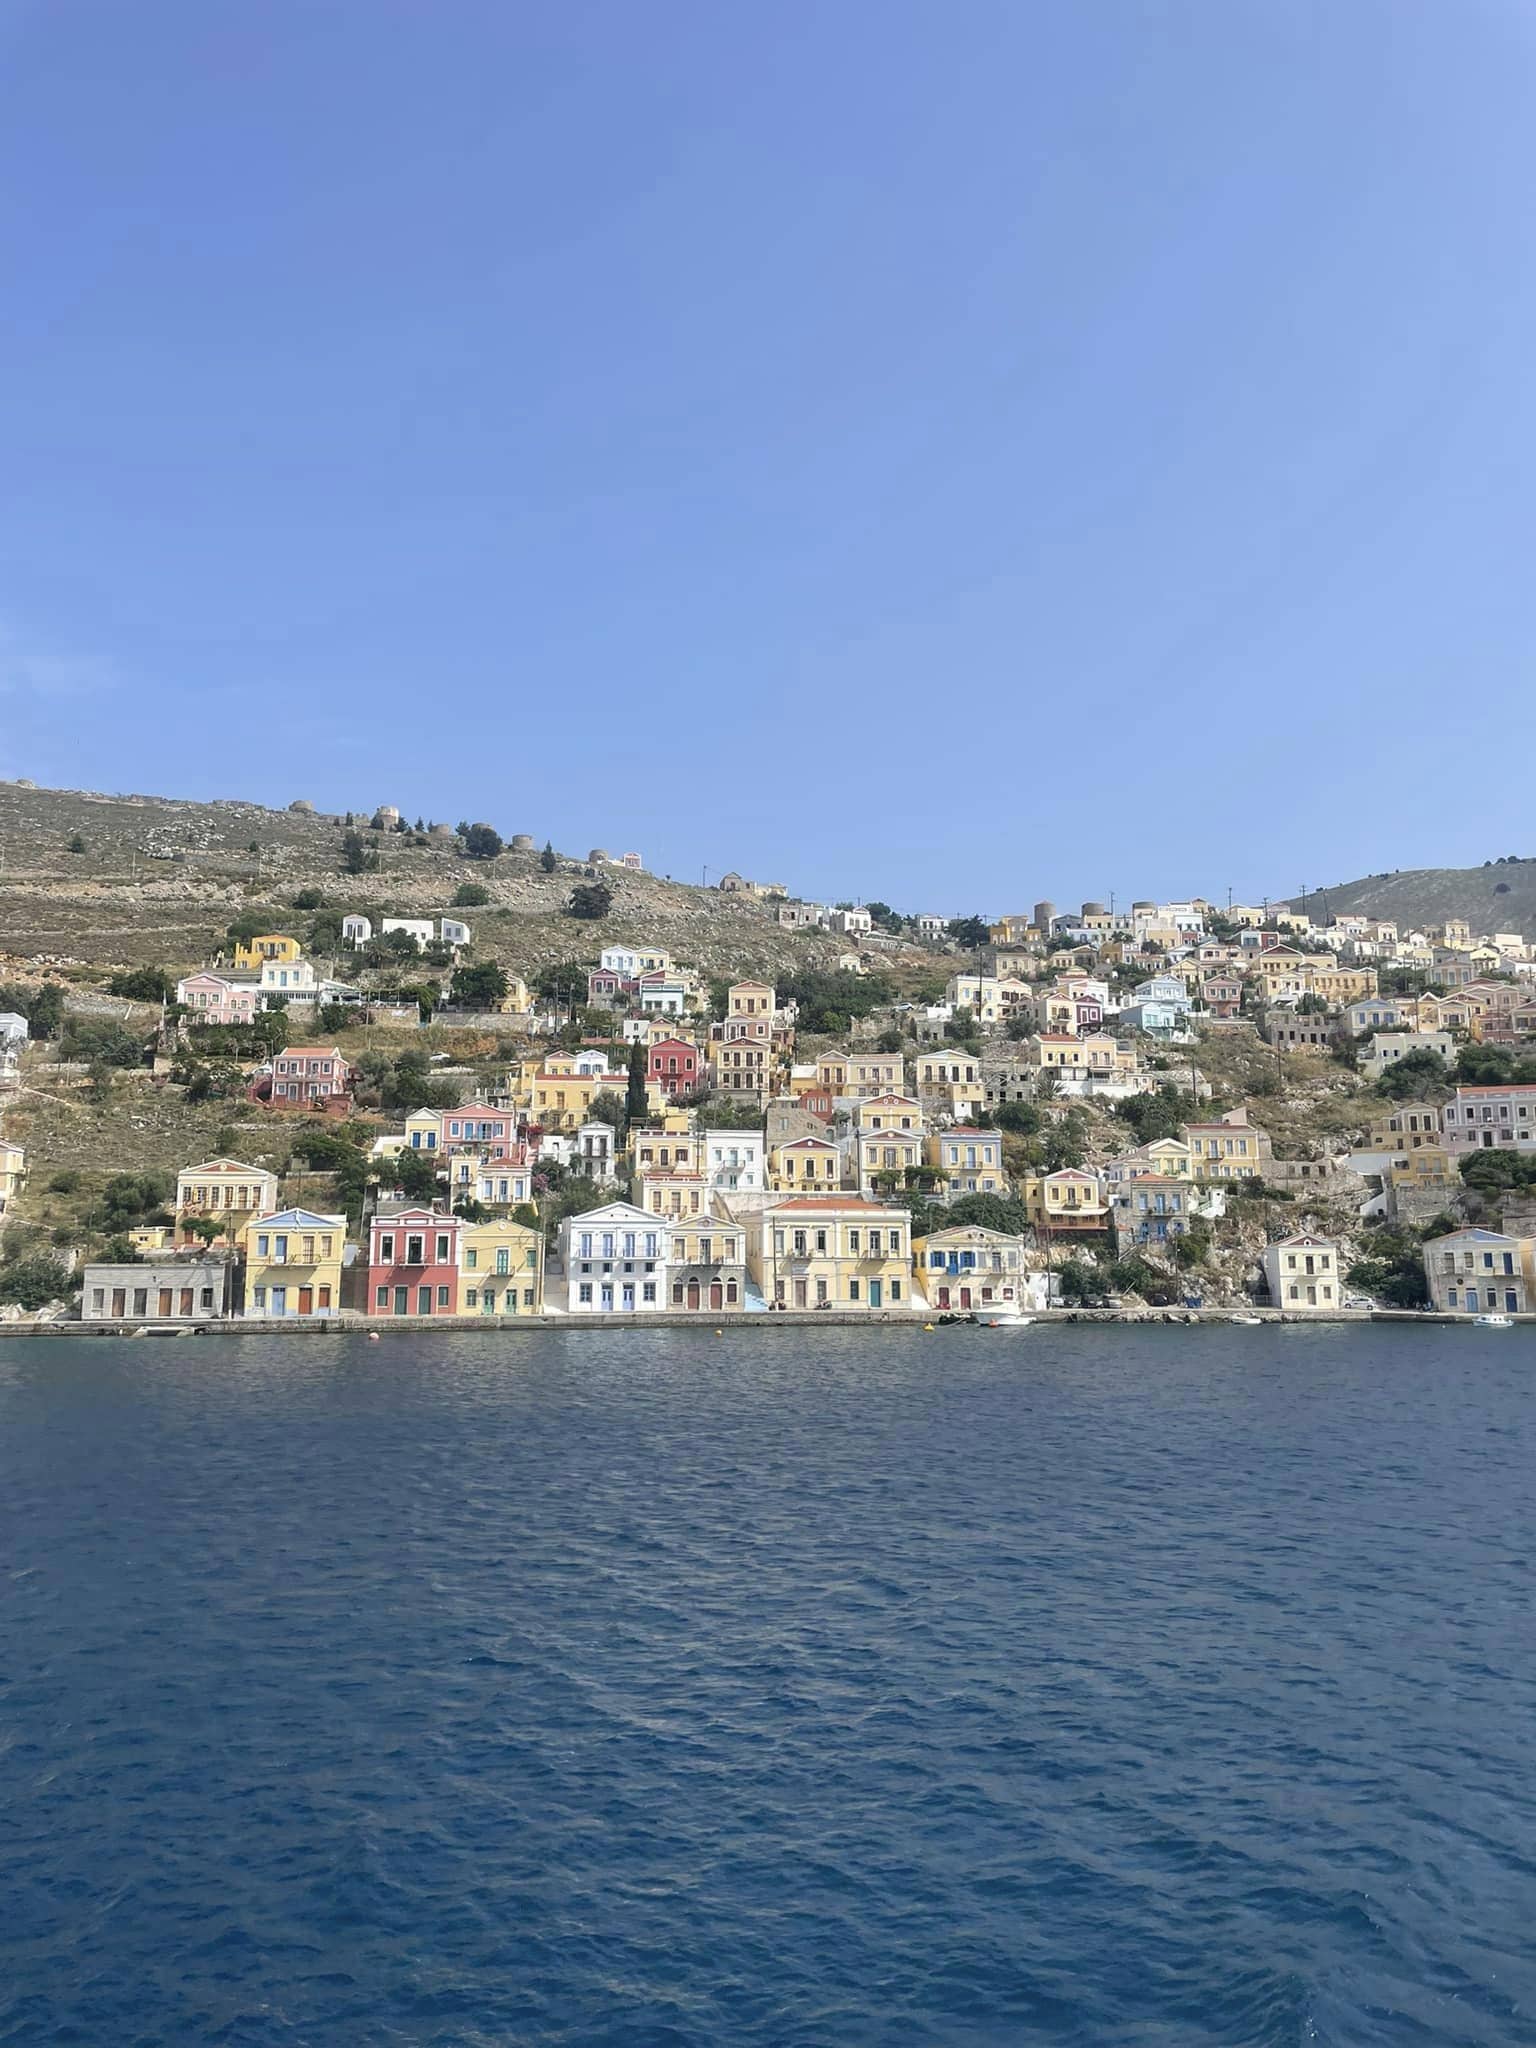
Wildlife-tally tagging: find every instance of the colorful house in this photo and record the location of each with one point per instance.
(223, 1191)
(970, 1160)
(834, 1251)
(13, 1163)
(253, 953)
(491, 1132)
(808, 1164)
(707, 1265)
(967, 1267)
(214, 998)
(673, 1066)
(1481, 1272)
(304, 1075)
(501, 1269)
(293, 1261)
(413, 1261)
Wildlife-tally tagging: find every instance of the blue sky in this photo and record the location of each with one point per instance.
(956, 454)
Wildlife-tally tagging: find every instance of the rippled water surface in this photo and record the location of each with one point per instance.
(795, 1687)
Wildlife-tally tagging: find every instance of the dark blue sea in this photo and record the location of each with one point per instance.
(1105, 1686)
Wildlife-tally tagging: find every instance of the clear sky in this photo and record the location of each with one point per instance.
(954, 453)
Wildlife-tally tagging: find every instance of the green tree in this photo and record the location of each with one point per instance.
(482, 842)
(143, 985)
(1413, 1074)
(356, 858)
(1021, 1118)
(890, 1040)
(309, 899)
(547, 860)
(414, 1173)
(590, 900)
(607, 1107)
(31, 1283)
(636, 1102)
(481, 986)
(970, 932)
(77, 844)
(470, 896)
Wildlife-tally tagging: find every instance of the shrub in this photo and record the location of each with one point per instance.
(470, 895)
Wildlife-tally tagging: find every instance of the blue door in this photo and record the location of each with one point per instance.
(876, 1293)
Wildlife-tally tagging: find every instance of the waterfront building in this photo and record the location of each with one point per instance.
(413, 1261)
(1303, 1274)
(968, 1267)
(1481, 1272)
(831, 1251)
(178, 1290)
(807, 1164)
(501, 1268)
(615, 1261)
(707, 1264)
(293, 1262)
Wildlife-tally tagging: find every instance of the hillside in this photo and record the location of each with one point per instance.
(1500, 897)
(160, 879)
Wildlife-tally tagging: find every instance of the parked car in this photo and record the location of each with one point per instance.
(1358, 1301)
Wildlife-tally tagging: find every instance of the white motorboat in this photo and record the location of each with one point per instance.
(1493, 1322)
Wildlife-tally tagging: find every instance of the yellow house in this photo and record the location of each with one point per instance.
(518, 1000)
(13, 1163)
(563, 1102)
(832, 1251)
(293, 1263)
(1429, 1166)
(1408, 1127)
(1231, 1149)
(1072, 1199)
(805, 1164)
(885, 1158)
(267, 946)
(501, 1268)
(223, 1191)
(1338, 985)
(856, 1074)
(745, 1069)
(949, 1082)
(1015, 963)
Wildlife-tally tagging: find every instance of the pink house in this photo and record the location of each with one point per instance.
(220, 998)
(310, 1074)
(492, 1131)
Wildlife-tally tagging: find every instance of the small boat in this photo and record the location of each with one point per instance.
(1010, 1322)
(1493, 1323)
(1248, 1322)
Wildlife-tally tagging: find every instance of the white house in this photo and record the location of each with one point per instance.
(851, 923)
(615, 1261)
(453, 931)
(13, 1028)
(734, 1162)
(355, 930)
(419, 928)
(932, 927)
(1303, 1275)
(590, 1062)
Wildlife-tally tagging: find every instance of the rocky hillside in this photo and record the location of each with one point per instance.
(1498, 897)
(104, 881)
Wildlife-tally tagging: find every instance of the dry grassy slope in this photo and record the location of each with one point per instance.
(160, 880)
(1420, 896)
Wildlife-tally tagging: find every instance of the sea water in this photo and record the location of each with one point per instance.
(1099, 1685)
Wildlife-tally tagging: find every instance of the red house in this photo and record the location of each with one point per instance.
(674, 1064)
(413, 1261)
